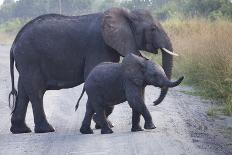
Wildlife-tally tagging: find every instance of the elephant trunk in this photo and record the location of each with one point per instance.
(167, 63)
(174, 84)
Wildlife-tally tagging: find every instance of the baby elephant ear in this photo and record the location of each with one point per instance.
(134, 67)
(116, 31)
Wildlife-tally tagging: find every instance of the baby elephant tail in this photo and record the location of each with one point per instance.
(82, 93)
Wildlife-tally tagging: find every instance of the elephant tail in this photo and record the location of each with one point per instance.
(82, 93)
(13, 92)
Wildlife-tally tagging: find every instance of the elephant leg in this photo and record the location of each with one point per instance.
(35, 89)
(147, 116)
(41, 123)
(136, 102)
(86, 123)
(101, 119)
(108, 111)
(135, 121)
(136, 116)
(18, 124)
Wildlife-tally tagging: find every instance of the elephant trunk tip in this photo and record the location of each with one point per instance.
(164, 90)
(181, 79)
(176, 83)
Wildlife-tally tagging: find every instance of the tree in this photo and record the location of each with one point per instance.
(162, 9)
(106, 4)
(8, 2)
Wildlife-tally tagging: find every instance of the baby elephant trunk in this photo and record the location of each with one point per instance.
(175, 83)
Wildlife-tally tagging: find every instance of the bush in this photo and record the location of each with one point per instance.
(9, 29)
(13, 26)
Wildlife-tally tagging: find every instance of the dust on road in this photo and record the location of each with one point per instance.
(182, 126)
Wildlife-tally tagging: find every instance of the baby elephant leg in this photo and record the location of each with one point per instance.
(142, 109)
(100, 119)
(136, 102)
(108, 111)
(86, 123)
(147, 116)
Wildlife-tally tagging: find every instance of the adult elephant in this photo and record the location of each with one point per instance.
(54, 52)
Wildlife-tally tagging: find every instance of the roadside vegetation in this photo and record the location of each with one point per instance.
(9, 29)
(200, 31)
(205, 57)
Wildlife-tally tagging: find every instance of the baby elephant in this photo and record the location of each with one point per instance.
(109, 84)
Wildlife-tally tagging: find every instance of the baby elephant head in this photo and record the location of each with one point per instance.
(145, 72)
(155, 75)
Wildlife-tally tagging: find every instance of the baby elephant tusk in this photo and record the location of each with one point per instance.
(169, 52)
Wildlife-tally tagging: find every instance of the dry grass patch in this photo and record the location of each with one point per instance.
(6, 38)
(206, 56)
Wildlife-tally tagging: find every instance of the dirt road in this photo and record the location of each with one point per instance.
(182, 126)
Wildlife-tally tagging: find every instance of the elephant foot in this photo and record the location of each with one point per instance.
(149, 125)
(86, 130)
(106, 131)
(43, 128)
(136, 128)
(97, 126)
(22, 128)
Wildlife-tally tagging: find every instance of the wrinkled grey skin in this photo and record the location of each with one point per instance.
(55, 52)
(109, 84)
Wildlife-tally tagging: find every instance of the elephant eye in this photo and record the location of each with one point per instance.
(152, 29)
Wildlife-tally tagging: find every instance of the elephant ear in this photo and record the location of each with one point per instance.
(117, 32)
(134, 67)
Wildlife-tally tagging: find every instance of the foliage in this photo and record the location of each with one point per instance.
(31, 8)
(106, 4)
(12, 26)
(9, 28)
(162, 9)
(8, 2)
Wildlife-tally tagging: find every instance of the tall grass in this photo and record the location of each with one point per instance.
(206, 56)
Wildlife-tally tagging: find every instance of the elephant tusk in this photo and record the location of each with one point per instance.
(169, 52)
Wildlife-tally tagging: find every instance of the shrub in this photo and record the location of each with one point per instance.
(12, 26)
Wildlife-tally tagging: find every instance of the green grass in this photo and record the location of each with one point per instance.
(216, 111)
(12, 26)
(212, 112)
(193, 93)
(9, 29)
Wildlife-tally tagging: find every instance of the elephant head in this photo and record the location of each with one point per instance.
(155, 75)
(131, 31)
(145, 72)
